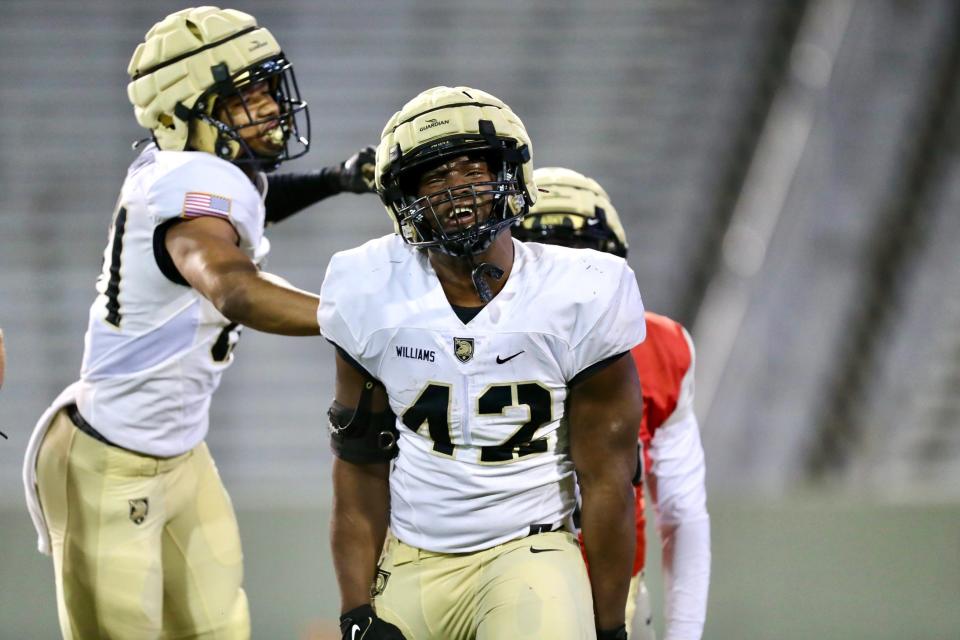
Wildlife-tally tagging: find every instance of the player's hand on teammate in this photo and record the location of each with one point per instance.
(363, 624)
(357, 173)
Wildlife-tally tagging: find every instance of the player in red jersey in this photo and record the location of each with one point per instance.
(575, 211)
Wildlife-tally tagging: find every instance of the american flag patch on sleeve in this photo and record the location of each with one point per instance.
(196, 204)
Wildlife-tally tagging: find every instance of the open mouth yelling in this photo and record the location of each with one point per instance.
(274, 135)
(460, 217)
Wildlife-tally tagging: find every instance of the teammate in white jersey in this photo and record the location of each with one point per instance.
(499, 369)
(142, 532)
(575, 211)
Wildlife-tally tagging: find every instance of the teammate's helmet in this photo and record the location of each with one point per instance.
(194, 57)
(573, 211)
(443, 123)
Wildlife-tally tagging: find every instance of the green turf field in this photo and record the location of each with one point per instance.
(808, 569)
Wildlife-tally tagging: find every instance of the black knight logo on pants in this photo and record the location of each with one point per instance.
(138, 510)
(379, 583)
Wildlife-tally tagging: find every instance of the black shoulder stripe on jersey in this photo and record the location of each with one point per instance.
(113, 285)
(349, 359)
(162, 256)
(596, 367)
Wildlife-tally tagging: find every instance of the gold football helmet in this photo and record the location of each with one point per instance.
(195, 57)
(574, 211)
(443, 123)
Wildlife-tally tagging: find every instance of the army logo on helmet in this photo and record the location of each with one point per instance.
(463, 349)
(138, 510)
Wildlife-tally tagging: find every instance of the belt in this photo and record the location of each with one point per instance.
(78, 421)
(544, 528)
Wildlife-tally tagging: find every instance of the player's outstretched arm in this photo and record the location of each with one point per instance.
(290, 193)
(205, 252)
(604, 412)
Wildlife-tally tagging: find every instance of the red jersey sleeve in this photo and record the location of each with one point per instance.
(662, 362)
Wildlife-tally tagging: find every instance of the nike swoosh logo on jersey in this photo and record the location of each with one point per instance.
(508, 359)
(535, 550)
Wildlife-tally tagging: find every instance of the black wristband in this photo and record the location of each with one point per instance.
(620, 633)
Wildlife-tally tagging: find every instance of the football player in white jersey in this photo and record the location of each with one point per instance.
(491, 370)
(575, 211)
(120, 484)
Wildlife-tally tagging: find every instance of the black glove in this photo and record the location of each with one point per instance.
(620, 633)
(363, 624)
(357, 173)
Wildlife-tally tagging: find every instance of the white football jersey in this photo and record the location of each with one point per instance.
(483, 447)
(155, 348)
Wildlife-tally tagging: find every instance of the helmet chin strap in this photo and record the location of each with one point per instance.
(477, 274)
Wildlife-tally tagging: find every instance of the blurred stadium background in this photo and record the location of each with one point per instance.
(787, 172)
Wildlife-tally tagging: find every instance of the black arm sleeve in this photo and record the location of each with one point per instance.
(596, 367)
(289, 193)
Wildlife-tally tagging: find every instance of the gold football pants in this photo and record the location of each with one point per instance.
(143, 547)
(532, 588)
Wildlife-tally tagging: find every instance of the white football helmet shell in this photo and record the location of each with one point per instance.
(444, 122)
(570, 203)
(175, 63)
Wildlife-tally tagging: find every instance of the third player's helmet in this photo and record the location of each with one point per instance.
(195, 57)
(573, 211)
(443, 123)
